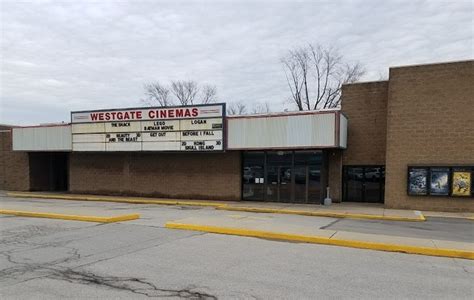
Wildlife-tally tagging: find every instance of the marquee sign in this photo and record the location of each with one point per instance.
(184, 128)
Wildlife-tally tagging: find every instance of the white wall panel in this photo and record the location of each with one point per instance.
(324, 130)
(47, 138)
(277, 130)
(89, 147)
(161, 146)
(135, 146)
(343, 132)
(89, 138)
(313, 130)
(88, 128)
(298, 130)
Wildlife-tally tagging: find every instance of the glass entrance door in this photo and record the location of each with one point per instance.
(253, 178)
(301, 184)
(279, 176)
(285, 184)
(282, 176)
(354, 184)
(273, 185)
(364, 184)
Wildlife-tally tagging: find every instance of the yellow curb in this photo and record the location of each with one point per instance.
(331, 214)
(70, 217)
(113, 199)
(220, 206)
(455, 253)
(449, 217)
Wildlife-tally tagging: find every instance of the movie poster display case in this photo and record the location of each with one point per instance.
(440, 181)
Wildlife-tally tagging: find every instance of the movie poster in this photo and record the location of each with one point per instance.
(417, 181)
(439, 181)
(461, 185)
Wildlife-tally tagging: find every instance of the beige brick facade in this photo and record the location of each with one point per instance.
(14, 166)
(178, 175)
(423, 115)
(335, 174)
(430, 122)
(365, 105)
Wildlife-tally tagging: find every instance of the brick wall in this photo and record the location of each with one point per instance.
(430, 121)
(178, 175)
(335, 174)
(365, 105)
(14, 168)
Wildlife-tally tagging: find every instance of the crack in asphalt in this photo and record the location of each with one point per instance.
(52, 269)
(21, 268)
(19, 235)
(131, 284)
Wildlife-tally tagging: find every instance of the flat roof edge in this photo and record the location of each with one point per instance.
(43, 126)
(283, 114)
(433, 64)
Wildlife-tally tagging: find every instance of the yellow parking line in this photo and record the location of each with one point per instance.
(455, 253)
(97, 219)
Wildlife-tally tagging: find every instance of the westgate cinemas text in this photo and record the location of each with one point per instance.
(168, 113)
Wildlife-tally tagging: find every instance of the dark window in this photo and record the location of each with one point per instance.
(49, 171)
(253, 175)
(364, 184)
(286, 176)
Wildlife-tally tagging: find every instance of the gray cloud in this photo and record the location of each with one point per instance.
(58, 56)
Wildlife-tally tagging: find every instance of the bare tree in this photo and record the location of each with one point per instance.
(315, 76)
(236, 108)
(185, 91)
(261, 108)
(208, 94)
(382, 76)
(240, 108)
(157, 93)
(293, 78)
(302, 60)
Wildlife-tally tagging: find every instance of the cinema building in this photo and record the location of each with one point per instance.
(407, 142)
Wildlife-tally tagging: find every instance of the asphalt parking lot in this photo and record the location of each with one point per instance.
(56, 259)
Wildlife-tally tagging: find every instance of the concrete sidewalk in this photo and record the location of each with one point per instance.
(337, 210)
(279, 229)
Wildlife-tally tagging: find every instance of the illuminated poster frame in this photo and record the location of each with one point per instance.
(441, 181)
(417, 181)
(461, 182)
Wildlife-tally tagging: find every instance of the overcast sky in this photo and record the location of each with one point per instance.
(58, 56)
